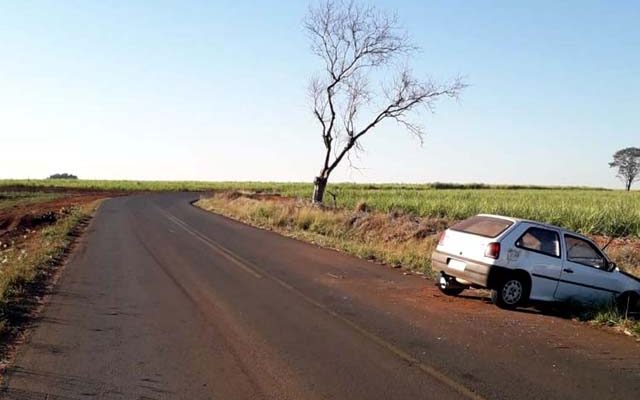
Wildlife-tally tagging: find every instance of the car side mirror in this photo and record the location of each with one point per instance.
(611, 266)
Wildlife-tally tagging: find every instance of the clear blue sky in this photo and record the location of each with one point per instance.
(216, 90)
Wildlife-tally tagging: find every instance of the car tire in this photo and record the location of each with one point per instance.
(628, 302)
(511, 292)
(444, 284)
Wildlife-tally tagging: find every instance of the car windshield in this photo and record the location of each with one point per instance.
(482, 225)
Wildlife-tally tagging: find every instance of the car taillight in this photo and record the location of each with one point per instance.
(493, 250)
(443, 236)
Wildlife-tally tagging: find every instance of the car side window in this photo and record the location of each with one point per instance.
(583, 252)
(540, 240)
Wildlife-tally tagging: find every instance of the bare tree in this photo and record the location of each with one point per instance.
(628, 163)
(357, 44)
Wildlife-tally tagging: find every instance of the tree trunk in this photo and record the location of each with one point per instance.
(629, 185)
(319, 186)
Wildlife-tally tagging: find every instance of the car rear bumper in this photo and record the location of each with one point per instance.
(474, 272)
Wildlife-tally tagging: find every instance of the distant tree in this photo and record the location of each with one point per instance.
(628, 163)
(357, 43)
(62, 176)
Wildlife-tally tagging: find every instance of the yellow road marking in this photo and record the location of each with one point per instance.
(213, 245)
(251, 268)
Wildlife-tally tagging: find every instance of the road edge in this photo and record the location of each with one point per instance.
(39, 291)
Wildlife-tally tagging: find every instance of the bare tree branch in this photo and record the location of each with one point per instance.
(355, 43)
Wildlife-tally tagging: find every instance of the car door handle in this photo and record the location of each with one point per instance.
(568, 270)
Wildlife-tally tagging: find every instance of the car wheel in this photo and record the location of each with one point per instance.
(628, 302)
(444, 284)
(512, 292)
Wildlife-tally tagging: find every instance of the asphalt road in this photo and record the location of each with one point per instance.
(162, 300)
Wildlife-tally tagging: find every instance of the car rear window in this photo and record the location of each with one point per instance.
(484, 226)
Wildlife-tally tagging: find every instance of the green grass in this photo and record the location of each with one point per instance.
(24, 263)
(11, 199)
(372, 236)
(586, 210)
(302, 189)
(611, 317)
(394, 239)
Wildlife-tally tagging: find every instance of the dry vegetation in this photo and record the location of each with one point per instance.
(395, 238)
(589, 211)
(35, 234)
(12, 198)
(394, 224)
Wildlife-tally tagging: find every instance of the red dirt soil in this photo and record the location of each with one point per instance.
(24, 217)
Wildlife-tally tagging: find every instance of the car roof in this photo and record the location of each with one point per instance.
(528, 221)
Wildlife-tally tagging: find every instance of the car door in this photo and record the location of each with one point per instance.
(538, 251)
(585, 277)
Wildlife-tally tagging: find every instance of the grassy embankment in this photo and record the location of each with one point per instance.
(407, 208)
(590, 211)
(397, 236)
(396, 239)
(27, 257)
(401, 226)
(11, 199)
(399, 223)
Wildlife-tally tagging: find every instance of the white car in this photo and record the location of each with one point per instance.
(522, 260)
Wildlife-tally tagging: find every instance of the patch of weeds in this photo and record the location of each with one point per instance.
(610, 316)
(393, 240)
(26, 266)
